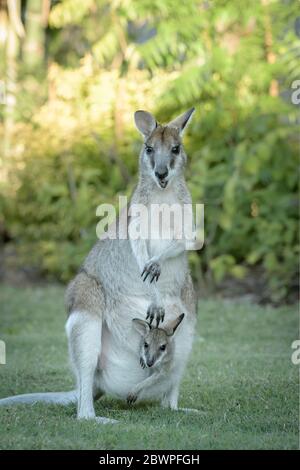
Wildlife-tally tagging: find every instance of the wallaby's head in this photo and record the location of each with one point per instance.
(162, 156)
(156, 342)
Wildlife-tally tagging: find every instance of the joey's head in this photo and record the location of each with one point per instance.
(155, 342)
(162, 156)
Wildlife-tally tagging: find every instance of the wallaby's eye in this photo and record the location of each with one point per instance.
(176, 149)
(163, 347)
(149, 150)
(146, 345)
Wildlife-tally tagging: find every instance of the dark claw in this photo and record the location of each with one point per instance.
(142, 363)
(151, 268)
(155, 313)
(131, 399)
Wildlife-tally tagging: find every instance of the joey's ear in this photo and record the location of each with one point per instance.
(145, 122)
(182, 121)
(141, 326)
(173, 325)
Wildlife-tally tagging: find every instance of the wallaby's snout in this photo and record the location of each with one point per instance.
(150, 362)
(161, 173)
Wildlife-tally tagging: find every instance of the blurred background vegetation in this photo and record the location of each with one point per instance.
(72, 73)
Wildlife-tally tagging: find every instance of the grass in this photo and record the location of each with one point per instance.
(240, 377)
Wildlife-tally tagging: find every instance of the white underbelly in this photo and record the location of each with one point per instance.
(119, 365)
(118, 379)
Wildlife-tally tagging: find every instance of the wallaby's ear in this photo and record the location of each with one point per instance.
(145, 122)
(141, 326)
(173, 325)
(182, 121)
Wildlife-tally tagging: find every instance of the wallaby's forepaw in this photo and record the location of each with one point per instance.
(131, 398)
(155, 312)
(152, 269)
(142, 362)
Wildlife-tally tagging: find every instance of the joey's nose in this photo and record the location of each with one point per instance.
(161, 173)
(150, 362)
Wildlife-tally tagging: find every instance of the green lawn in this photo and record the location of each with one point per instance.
(240, 377)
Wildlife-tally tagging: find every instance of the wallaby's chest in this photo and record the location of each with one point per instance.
(165, 221)
(164, 197)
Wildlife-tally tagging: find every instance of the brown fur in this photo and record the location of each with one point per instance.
(84, 293)
(163, 135)
(188, 296)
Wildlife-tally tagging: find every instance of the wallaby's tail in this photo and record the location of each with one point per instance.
(59, 398)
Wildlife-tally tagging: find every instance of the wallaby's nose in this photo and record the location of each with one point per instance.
(161, 172)
(150, 362)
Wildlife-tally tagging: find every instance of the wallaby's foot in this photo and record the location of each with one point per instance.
(174, 407)
(131, 398)
(155, 312)
(189, 410)
(98, 419)
(101, 420)
(152, 269)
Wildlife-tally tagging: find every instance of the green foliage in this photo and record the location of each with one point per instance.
(233, 60)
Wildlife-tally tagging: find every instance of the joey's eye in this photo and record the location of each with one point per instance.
(146, 345)
(149, 150)
(163, 347)
(176, 149)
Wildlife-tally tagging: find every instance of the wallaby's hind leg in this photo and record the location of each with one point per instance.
(85, 304)
(84, 334)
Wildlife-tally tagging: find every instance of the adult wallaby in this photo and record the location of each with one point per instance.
(124, 278)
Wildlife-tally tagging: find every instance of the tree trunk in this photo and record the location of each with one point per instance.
(14, 31)
(34, 45)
